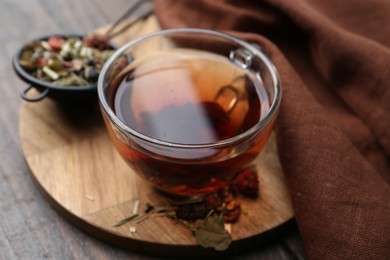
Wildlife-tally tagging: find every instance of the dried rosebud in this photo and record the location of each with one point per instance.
(40, 62)
(55, 43)
(232, 212)
(214, 201)
(96, 41)
(247, 183)
(231, 205)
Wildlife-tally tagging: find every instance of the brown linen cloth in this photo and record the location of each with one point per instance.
(334, 124)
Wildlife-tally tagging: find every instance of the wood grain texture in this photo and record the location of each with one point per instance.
(78, 168)
(29, 227)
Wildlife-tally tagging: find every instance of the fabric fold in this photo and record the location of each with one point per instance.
(333, 126)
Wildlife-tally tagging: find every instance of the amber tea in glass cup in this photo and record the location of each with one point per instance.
(190, 108)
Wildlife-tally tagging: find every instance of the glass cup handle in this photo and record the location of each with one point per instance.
(241, 57)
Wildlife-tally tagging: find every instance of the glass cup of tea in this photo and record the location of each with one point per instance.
(188, 109)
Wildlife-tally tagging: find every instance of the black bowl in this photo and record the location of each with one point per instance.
(47, 89)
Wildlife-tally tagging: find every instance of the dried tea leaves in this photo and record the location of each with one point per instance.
(205, 217)
(211, 232)
(66, 61)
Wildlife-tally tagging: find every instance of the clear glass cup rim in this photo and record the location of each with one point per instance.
(230, 141)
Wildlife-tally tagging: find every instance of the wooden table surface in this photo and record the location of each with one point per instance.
(29, 227)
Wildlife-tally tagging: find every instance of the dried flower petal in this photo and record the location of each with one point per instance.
(232, 216)
(192, 211)
(55, 43)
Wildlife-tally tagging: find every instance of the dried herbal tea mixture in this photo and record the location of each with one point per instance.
(66, 61)
(205, 217)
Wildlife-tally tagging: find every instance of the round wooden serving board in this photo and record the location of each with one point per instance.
(82, 175)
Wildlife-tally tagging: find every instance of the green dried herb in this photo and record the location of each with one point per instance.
(141, 218)
(211, 232)
(51, 73)
(124, 221)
